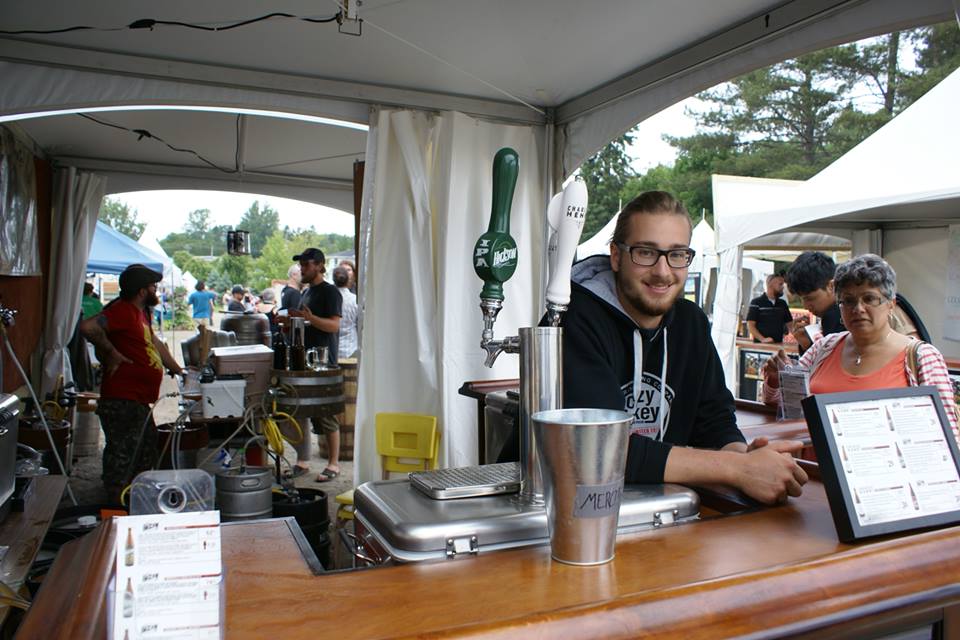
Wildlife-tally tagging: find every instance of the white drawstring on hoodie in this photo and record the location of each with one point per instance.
(638, 375)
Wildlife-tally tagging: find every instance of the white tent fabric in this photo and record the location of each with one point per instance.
(862, 180)
(431, 197)
(76, 202)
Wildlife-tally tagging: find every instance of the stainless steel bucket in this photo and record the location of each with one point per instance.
(583, 453)
(245, 496)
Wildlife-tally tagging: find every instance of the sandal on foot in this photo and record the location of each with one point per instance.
(327, 475)
(296, 472)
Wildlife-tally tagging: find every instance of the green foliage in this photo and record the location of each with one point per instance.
(121, 217)
(791, 120)
(605, 174)
(261, 223)
(198, 237)
(182, 315)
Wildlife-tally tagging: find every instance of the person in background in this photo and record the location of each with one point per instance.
(236, 299)
(351, 273)
(202, 302)
(268, 304)
(811, 277)
(290, 295)
(133, 359)
(769, 316)
(871, 355)
(348, 321)
(90, 304)
(321, 308)
(631, 342)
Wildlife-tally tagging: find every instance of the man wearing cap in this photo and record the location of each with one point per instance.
(321, 307)
(236, 301)
(133, 359)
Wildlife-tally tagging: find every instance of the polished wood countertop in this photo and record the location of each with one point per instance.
(772, 571)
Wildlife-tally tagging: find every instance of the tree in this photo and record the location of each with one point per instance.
(605, 174)
(121, 217)
(937, 50)
(261, 223)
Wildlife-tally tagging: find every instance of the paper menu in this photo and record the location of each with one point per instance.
(896, 459)
(814, 331)
(794, 387)
(168, 576)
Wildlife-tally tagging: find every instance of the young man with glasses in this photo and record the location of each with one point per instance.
(632, 342)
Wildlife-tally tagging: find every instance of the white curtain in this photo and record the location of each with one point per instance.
(726, 312)
(76, 203)
(427, 196)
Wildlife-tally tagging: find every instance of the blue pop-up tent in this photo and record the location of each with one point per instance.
(112, 252)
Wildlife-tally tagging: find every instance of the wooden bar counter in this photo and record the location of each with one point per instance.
(770, 572)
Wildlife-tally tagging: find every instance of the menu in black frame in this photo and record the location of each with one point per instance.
(888, 460)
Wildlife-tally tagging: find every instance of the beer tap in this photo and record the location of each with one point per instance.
(495, 254)
(569, 215)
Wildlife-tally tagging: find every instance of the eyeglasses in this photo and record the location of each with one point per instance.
(648, 256)
(868, 300)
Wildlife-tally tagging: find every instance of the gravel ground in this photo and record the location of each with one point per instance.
(85, 474)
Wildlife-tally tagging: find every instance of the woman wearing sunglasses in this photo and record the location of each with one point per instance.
(870, 354)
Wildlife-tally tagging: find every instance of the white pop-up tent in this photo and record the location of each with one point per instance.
(428, 78)
(895, 194)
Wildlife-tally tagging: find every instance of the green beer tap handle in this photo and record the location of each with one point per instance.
(495, 254)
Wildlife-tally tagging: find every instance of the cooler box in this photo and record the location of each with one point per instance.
(406, 526)
(222, 398)
(252, 361)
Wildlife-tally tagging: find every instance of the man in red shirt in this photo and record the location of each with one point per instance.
(133, 359)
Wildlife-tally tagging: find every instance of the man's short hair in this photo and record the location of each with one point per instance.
(200, 285)
(772, 276)
(340, 276)
(87, 288)
(811, 270)
(648, 202)
(294, 268)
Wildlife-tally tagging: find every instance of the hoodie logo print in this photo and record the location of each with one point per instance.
(645, 405)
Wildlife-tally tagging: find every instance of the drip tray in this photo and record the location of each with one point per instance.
(413, 527)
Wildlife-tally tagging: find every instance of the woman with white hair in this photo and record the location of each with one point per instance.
(870, 354)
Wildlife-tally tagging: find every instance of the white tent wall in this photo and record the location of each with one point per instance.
(919, 257)
(431, 198)
(906, 171)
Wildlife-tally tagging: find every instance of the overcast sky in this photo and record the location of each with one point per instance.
(166, 212)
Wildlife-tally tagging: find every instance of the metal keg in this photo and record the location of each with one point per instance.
(246, 495)
(251, 328)
(310, 394)
(191, 346)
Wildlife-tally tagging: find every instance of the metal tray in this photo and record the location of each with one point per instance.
(412, 527)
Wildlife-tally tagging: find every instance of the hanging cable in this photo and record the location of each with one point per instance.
(150, 23)
(143, 133)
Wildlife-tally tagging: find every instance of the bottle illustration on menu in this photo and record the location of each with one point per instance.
(128, 556)
(128, 600)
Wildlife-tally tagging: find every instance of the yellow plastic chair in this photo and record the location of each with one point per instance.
(406, 442)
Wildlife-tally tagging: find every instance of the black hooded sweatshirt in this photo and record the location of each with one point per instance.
(600, 345)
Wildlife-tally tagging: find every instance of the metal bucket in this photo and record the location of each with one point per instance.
(315, 394)
(245, 496)
(583, 453)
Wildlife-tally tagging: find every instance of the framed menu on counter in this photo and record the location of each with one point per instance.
(888, 459)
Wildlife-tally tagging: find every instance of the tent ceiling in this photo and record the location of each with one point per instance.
(616, 62)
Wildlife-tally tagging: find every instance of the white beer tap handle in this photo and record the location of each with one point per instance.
(573, 211)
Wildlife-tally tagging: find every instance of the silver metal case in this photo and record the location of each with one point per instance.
(412, 527)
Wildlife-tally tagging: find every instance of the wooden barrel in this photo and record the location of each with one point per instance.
(349, 415)
(310, 394)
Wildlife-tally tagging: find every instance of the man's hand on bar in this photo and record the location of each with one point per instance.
(769, 473)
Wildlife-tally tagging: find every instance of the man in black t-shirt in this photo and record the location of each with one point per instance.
(769, 314)
(290, 295)
(321, 306)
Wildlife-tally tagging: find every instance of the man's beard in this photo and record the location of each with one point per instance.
(151, 300)
(633, 293)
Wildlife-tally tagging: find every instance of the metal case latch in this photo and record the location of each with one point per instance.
(660, 519)
(462, 545)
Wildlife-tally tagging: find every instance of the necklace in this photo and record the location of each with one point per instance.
(860, 356)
